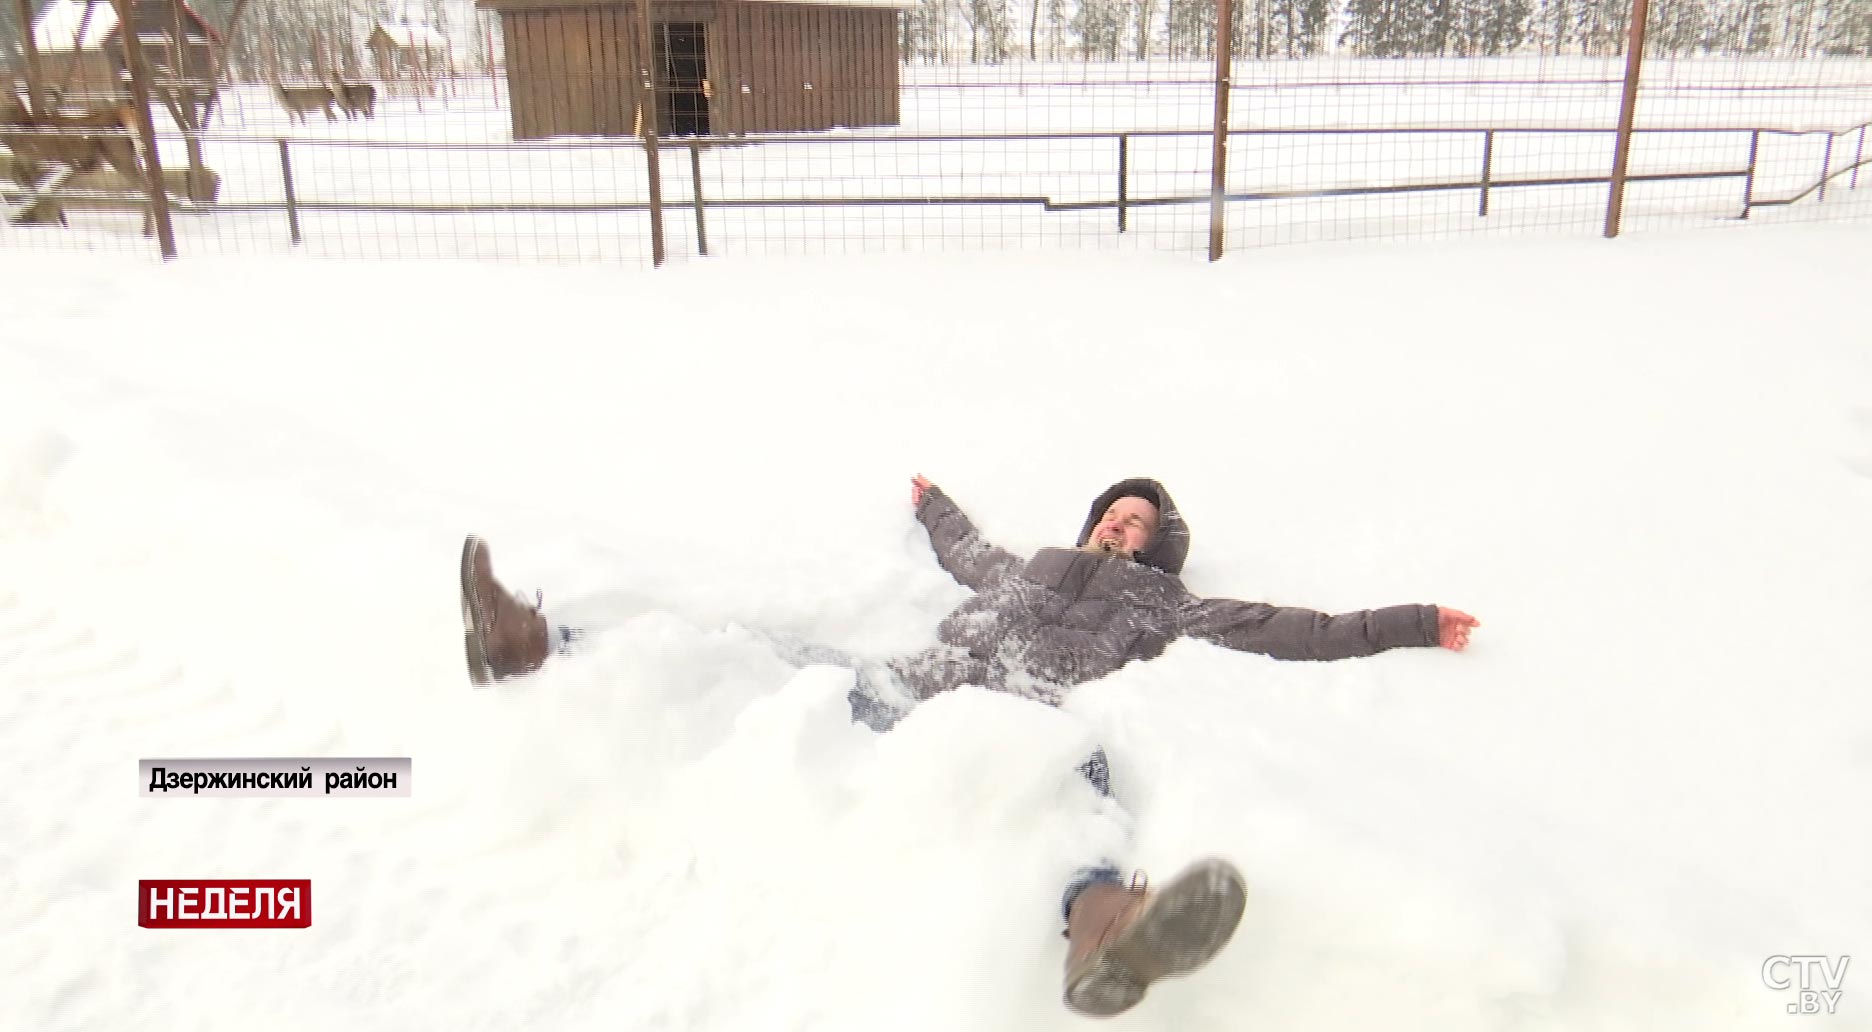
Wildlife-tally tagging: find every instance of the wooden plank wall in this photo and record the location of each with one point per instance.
(725, 103)
(868, 81)
(570, 71)
(762, 56)
(573, 70)
(523, 102)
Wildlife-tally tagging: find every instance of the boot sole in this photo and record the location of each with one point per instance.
(1183, 927)
(474, 641)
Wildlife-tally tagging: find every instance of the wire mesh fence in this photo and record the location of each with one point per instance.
(615, 131)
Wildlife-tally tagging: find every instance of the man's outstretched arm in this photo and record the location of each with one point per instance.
(958, 545)
(1289, 632)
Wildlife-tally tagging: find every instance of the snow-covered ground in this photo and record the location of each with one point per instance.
(232, 495)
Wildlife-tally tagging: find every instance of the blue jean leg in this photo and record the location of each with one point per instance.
(878, 701)
(561, 637)
(869, 709)
(1096, 770)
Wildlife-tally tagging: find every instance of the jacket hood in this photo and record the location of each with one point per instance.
(1169, 546)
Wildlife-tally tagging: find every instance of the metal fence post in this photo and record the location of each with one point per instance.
(1124, 166)
(1826, 166)
(1628, 112)
(646, 51)
(1858, 159)
(1748, 182)
(695, 183)
(292, 197)
(1488, 154)
(1218, 162)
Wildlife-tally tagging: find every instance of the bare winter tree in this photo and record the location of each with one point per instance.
(298, 39)
(926, 31)
(1142, 10)
(1189, 28)
(1504, 26)
(989, 30)
(1058, 24)
(1377, 28)
(1849, 29)
(1302, 25)
(1109, 30)
(1100, 26)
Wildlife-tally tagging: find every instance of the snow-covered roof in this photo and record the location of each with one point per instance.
(58, 25)
(414, 37)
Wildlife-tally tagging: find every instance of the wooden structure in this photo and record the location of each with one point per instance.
(178, 45)
(81, 53)
(81, 61)
(69, 35)
(12, 53)
(721, 67)
(415, 52)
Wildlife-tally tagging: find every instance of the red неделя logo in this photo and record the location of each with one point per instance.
(224, 903)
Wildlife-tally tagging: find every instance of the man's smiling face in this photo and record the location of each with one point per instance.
(1125, 528)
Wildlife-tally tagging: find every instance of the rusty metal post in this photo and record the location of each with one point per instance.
(292, 195)
(1858, 159)
(1748, 182)
(1628, 110)
(1488, 155)
(1826, 167)
(1218, 161)
(140, 108)
(695, 184)
(652, 156)
(1124, 178)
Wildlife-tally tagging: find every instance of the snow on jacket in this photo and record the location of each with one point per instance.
(1067, 616)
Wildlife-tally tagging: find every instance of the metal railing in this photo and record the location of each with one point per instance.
(1121, 198)
(1827, 172)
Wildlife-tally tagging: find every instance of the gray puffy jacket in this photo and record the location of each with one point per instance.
(1068, 616)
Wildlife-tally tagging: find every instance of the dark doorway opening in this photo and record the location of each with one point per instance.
(682, 97)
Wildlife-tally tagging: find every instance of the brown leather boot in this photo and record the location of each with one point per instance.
(1123, 939)
(502, 635)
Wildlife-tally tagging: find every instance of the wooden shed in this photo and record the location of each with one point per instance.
(409, 52)
(720, 67)
(177, 42)
(69, 35)
(81, 53)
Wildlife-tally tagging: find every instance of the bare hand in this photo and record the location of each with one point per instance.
(1453, 627)
(918, 485)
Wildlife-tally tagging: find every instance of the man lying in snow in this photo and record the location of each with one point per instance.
(1035, 628)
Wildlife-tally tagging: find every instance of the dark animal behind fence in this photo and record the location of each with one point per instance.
(357, 98)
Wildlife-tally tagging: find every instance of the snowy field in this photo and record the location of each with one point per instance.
(232, 531)
(426, 155)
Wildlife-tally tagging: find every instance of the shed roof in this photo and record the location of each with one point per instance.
(413, 37)
(57, 25)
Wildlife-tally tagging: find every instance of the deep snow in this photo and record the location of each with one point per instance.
(232, 493)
